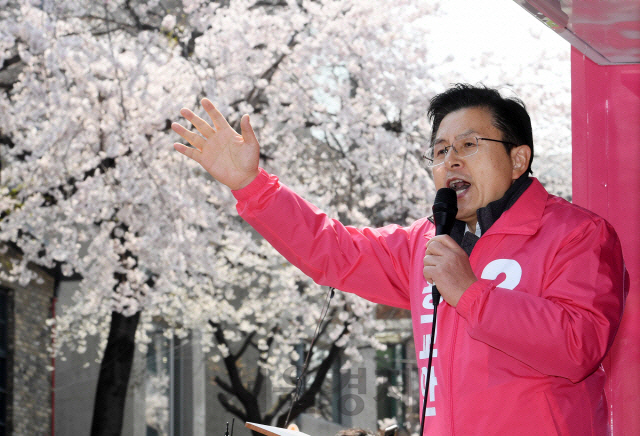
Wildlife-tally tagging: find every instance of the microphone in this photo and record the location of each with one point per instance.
(445, 209)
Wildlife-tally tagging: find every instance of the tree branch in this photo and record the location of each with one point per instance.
(244, 346)
(223, 384)
(308, 397)
(231, 408)
(282, 400)
(255, 94)
(248, 401)
(136, 19)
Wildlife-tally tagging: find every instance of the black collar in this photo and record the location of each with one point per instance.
(489, 214)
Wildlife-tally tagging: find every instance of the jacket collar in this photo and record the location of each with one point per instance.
(519, 212)
(523, 218)
(493, 211)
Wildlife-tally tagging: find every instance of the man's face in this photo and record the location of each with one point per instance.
(478, 179)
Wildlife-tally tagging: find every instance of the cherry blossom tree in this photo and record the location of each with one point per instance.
(337, 93)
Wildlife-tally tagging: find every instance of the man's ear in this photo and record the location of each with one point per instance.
(520, 158)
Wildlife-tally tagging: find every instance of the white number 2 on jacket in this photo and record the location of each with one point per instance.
(509, 267)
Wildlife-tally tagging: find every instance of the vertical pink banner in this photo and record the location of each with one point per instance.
(606, 180)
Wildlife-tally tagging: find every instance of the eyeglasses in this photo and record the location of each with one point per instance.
(463, 147)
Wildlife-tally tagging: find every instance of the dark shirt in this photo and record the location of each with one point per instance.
(489, 214)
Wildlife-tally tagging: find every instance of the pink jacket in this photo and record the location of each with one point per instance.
(521, 352)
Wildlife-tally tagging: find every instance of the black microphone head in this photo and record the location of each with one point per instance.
(446, 198)
(445, 209)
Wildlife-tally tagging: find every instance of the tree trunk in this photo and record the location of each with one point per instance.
(115, 368)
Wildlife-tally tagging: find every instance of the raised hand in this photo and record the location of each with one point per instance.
(231, 159)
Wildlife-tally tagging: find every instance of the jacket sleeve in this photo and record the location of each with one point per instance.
(372, 263)
(566, 329)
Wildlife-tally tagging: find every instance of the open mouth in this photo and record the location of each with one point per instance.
(458, 185)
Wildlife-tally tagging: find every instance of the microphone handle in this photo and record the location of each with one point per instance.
(435, 293)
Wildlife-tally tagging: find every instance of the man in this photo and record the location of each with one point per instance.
(533, 287)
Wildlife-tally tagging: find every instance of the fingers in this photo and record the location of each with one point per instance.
(248, 134)
(219, 121)
(432, 247)
(427, 271)
(203, 127)
(440, 244)
(441, 249)
(193, 138)
(191, 153)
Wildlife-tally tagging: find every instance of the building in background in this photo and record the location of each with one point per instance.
(172, 390)
(26, 395)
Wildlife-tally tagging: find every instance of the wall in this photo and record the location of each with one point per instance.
(606, 180)
(30, 399)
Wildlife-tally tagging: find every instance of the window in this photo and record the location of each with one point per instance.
(174, 392)
(158, 386)
(392, 392)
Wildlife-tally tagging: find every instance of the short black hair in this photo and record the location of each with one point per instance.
(509, 114)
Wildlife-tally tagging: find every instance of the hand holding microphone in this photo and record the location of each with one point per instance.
(445, 262)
